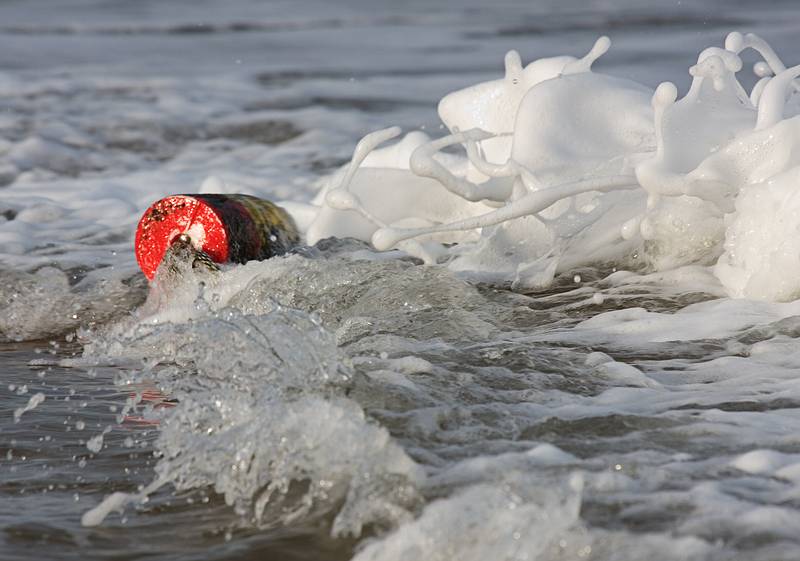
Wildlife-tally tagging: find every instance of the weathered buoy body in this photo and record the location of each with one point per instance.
(227, 228)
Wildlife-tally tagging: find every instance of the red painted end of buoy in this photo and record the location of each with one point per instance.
(172, 216)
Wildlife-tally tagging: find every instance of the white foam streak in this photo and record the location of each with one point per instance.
(32, 404)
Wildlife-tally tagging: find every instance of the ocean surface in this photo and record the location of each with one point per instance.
(341, 403)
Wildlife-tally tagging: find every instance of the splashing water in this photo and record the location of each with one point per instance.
(632, 178)
(262, 411)
(587, 169)
(639, 403)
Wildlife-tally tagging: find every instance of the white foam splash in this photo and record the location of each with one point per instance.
(588, 168)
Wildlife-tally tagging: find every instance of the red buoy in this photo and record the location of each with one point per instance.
(235, 228)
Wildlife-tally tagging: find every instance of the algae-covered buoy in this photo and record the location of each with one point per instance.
(213, 229)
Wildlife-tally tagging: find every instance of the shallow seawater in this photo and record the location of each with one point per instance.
(50, 477)
(339, 403)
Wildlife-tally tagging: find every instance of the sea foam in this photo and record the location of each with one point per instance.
(566, 167)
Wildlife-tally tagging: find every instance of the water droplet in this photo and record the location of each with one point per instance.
(95, 444)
